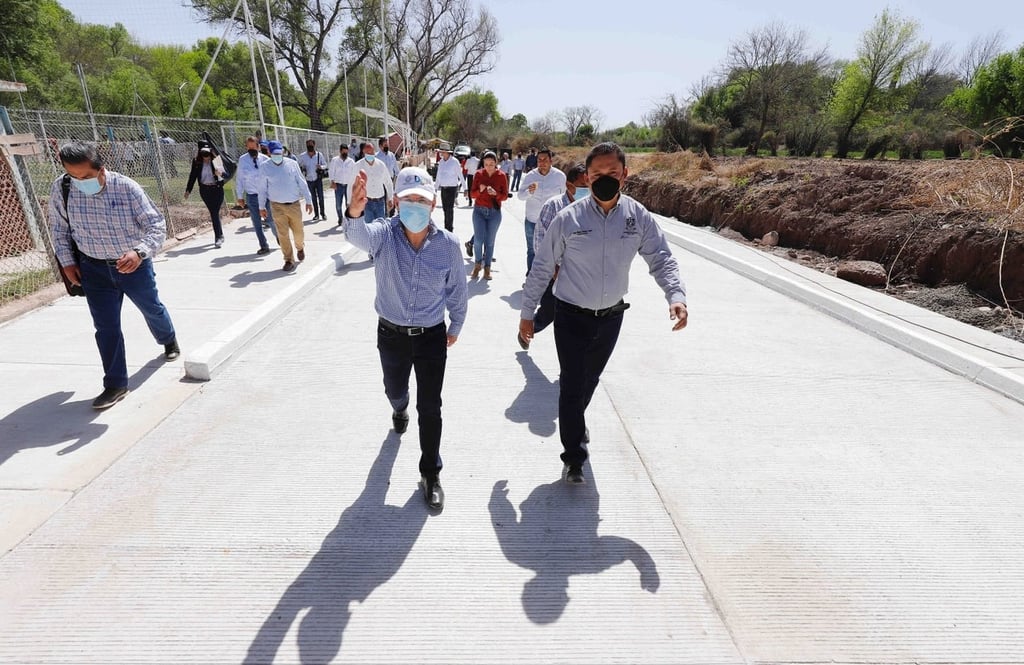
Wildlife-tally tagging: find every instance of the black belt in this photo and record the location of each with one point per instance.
(109, 262)
(281, 203)
(379, 198)
(617, 308)
(411, 331)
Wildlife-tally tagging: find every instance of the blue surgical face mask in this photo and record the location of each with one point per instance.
(369, 158)
(277, 159)
(581, 193)
(90, 186)
(414, 215)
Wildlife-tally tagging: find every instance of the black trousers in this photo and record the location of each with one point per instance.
(213, 197)
(316, 195)
(584, 343)
(448, 196)
(427, 354)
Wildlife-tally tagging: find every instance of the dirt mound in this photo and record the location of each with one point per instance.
(930, 224)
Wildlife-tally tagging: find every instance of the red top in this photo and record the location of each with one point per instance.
(498, 181)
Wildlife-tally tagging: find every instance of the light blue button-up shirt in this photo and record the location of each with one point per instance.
(308, 163)
(414, 287)
(250, 172)
(595, 252)
(282, 183)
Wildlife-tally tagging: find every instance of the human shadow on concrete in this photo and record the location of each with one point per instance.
(191, 251)
(365, 549)
(537, 403)
(247, 277)
(52, 419)
(234, 259)
(555, 535)
(514, 299)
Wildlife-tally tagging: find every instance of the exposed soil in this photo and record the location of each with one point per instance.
(949, 234)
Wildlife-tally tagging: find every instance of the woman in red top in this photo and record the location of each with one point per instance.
(490, 188)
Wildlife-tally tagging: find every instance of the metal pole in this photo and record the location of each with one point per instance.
(88, 102)
(273, 59)
(366, 104)
(209, 68)
(384, 68)
(348, 109)
(182, 99)
(252, 61)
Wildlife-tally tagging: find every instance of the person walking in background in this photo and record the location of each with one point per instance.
(449, 180)
(490, 188)
(472, 165)
(314, 166)
(385, 155)
(116, 230)
(517, 172)
(379, 185)
(249, 180)
(506, 166)
(539, 185)
(531, 160)
(342, 172)
(281, 189)
(211, 188)
(575, 190)
(419, 274)
(595, 240)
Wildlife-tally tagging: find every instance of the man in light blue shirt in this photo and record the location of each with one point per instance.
(314, 166)
(594, 240)
(281, 188)
(419, 274)
(249, 180)
(385, 155)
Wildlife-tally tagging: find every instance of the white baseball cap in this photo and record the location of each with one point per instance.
(414, 180)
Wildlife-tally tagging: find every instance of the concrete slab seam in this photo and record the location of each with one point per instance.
(202, 363)
(893, 332)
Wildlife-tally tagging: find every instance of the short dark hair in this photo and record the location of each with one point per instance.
(80, 152)
(575, 173)
(313, 141)
(489, 154)
(606, 148)
(546, 151)
(251, 138)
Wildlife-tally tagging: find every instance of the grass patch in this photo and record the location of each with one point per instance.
(19, 285)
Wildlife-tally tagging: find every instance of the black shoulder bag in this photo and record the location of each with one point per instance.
(72, 289)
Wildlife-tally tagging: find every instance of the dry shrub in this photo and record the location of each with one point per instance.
(993, 185)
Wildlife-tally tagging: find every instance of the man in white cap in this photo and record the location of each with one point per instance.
(419, 274)
(284, 186)
(449, 180)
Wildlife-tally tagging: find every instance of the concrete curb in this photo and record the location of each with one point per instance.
(205, 361)
(974, 364)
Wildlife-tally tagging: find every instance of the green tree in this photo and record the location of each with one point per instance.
(884, 58)
(467, 116)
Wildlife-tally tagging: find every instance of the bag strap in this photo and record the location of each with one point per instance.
(65, 190)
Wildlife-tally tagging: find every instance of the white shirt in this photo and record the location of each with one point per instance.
(472, 164)
(378, 179)
(342, 171)
(449, 173)
(552, 184)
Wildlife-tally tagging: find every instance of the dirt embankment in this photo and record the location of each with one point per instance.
(930, 223)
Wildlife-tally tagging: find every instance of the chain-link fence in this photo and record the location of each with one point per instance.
(155, 152)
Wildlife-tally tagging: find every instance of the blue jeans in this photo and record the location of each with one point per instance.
(105, 289)
(485, 229)
(340, 197)
(530, 228)
(375, 210)
(316, 196)
(253, 200)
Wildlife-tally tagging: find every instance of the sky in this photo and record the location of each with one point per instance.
(624, 56)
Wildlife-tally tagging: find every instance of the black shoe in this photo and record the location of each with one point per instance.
(432, 492)
(586, 435)
(469, 248)
(108, 398)
(171, 350)
(263, 251)
(302, 255)
(574, 475)
(524, 343)
(400, 419)
(288, 266)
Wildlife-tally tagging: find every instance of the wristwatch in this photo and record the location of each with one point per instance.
(143, 254)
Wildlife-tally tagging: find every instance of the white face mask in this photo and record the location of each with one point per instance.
(277, 159)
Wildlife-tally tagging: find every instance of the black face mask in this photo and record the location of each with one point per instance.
(253, 152)
(309, 149)
(344, 155)
(604, 188)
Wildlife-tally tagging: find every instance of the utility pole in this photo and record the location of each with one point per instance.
(348, 110)
(384, 68)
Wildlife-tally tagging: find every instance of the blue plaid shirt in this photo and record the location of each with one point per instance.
(106, 225)
(414, 287)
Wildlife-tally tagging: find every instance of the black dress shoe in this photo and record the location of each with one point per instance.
(288, 266)
(469, 248)
(574, 475)
(302, 255)
(432, 492)
(400, 419)
(108, 398)
(263, 251)
(171, 350)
